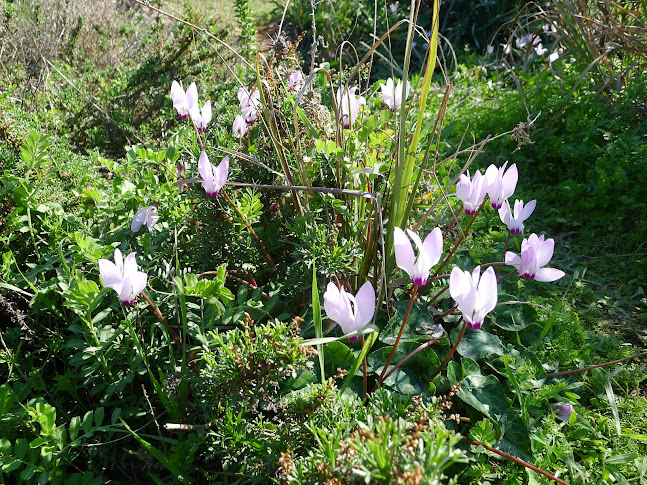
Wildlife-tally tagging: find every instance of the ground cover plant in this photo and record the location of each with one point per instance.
(224, 265)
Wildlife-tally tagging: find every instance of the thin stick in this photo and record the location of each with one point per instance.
(467, 229)
(516, 460)
(397, 340)
(583, 369)
(451, 352)
(505, 248)
(422, 347)
(170, 331)
(249, 228)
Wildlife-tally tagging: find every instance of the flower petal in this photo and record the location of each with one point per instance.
(111, 276)
(546, 275)
(365, 299)
(192, 96)
(404, 257)
(139, 220)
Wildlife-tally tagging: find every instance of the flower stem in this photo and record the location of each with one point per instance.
(451, 352)
(171, 332)
(462, 238)
(397, 340)
(515, 459)
(422, 347)
(507, 276)
(453, 223)
(583, 369)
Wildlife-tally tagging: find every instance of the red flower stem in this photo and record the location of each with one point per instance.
(365, 373)
(451, 352)
(516, 460)
(437, 295)
(453, 223)
(446, 313)
(170, 331)
(583, 369)
(507, 276)
(467, 229)
(397, 340)
(505, 248)
(249, 228)
(422, 347)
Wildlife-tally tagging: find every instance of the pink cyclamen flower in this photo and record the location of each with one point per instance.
(213, 178)
(145, 216)
(540, 50)
(240, 126)
(521, 213)
(490, 49)
(250, 104)
(527, 39)
(563, 410)
(201, 118)
(392, 94)
(475, 294)
(471, 192)
(123, 277)
(296, 81)
(349, 105)
(183, 102)
(393, 7)
(350, 312)
(428, 253)
(535, 253)
(501, 183)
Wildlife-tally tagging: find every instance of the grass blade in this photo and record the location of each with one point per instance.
(316, 315)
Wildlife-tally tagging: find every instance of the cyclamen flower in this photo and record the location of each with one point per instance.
(249, 104)
(213, 178)
(540, 50)
(183, 102)
(348, 106)
(428, 253)
(501, 183)
(521, 213)
(201, 118)
(145, 215)
(490, 49)
(240, 126)
(471, 192)
(392, 94)
(535, 253)
(350, 312)
(526, 39)
(563, 410)
(123, 277)
(475, 294)
(394, 7)
(296, 81)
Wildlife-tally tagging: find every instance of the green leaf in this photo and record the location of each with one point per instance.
(515, 319)
(338, 355)
(75, 424)
(477, 344)
(98, 417)
(418, 317)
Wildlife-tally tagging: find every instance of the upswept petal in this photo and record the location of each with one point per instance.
(365, 300)
(111, 276)
(512, 259)
(139, 220)
(544, 252)
(459, 284)
(487, 289)
(206, 113)
(152, 216)
(404, 256)
(221, 173)
(546, 275)
(433, 246)
(192, 95)
(509, 180)
(205, 169)
(528, 209)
